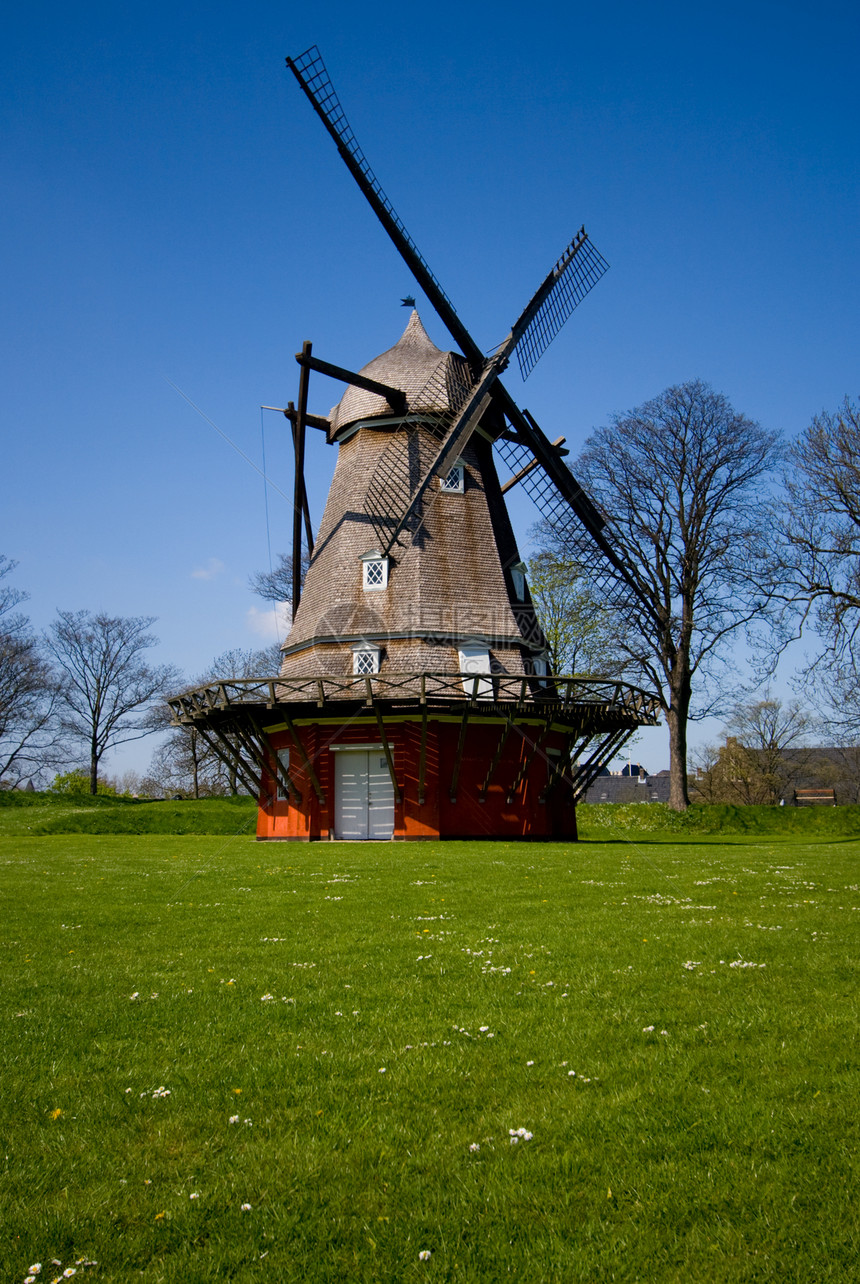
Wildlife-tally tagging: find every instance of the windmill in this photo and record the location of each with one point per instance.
(415, 697)
(531, 458)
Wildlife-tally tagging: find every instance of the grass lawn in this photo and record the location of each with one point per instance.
(241, 1061)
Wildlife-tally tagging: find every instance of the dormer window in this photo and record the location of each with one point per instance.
(475, 659)
(454, 482)
(365, 659)
(374, 572)
(518, 575)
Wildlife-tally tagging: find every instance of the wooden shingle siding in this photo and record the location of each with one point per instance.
(409, 365)
(448, 579)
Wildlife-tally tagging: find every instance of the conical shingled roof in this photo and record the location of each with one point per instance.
(409, 365)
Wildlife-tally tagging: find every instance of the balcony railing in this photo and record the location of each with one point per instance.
(508, 691)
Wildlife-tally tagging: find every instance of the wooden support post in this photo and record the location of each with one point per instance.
(258, 755)
(559, 768)
(386, 748)
(455, 775)
(521, 774)
(395, 397)
(306, 762)
(422, 756)
(506, 731)
(298, 487)
(292, 415)
(587, 772)
(266, 749)
(283, 779)
(253, 751)
(231, 760)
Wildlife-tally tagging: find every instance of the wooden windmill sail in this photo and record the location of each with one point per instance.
(415, 697)
(520, 442)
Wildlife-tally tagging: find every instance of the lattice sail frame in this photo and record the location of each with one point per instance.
(310, 69)
(577, 540)
(576, 272)
(573, 276)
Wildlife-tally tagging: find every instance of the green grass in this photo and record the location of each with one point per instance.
(46, 813)
(721, 1150)
(613, 820)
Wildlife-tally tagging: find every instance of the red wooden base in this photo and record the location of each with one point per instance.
(524, 798)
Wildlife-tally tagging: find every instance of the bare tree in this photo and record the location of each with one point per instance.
(764, 756)
(815, 557)
(682, 483)
(276, 585)
(240, 662)
(185, 762)
(838, 768)
(106, 685)
(29, 731)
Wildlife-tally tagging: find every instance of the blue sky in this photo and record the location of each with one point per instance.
(174, 214)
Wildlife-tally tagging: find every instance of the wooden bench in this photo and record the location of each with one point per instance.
(815, 797)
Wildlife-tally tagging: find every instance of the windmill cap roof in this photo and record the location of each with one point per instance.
(407, 366)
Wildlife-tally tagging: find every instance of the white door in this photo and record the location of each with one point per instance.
(380, 797)
(363, 795)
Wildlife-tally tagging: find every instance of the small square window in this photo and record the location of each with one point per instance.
(374, 574)
(476, 660)
(365, 660)
(454, 482)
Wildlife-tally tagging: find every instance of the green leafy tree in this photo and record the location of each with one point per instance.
(77, 784)
(580, 631)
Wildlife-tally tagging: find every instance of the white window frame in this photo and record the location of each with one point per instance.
(284, 763)
(456, 487)
(363, 652)
(374, 558)
(518, 576)
(475, 659)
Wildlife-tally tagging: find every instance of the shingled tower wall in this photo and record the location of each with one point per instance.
(454, 582)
